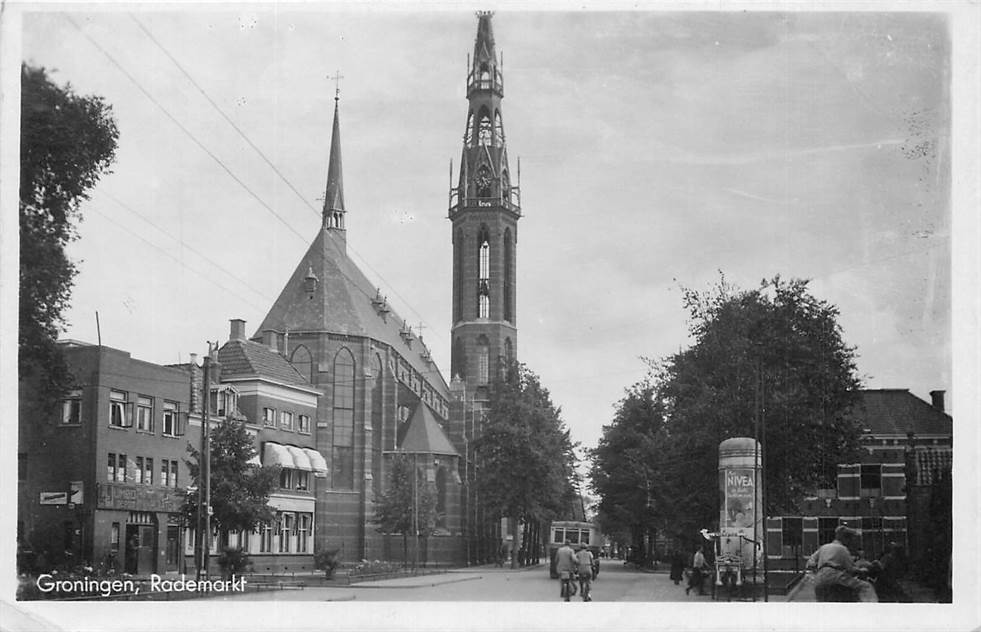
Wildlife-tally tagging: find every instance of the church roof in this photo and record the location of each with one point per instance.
(344, 301)
(424, 434)
(245, 358)
(897, 411)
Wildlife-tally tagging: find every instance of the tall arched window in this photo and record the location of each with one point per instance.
(377, 429)
(498, 130)
(302, 362)
(483, 273)
(483, 360)
(508, 271)
(342, 467)
(485, 133)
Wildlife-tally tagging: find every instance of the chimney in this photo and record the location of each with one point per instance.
(938, 399)
(237, 331)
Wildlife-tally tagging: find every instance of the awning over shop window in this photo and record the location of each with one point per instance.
(317, 461)
(275, 454)
(300, 459)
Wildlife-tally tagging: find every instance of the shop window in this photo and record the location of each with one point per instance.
(71, 409)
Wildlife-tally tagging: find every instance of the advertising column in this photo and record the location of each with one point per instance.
(740, 491)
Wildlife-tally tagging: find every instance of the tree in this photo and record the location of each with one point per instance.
(407, 504)
(625, 467)
(67, 143)
(524, 452)
(239, 489)
(775, 357)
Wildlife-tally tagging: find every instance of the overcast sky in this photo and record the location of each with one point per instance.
(656, 148)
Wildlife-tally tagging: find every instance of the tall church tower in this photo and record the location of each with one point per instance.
(484, 209)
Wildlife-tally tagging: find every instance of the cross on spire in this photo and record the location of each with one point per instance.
(337, 76)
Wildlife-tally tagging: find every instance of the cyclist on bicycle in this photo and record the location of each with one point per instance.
(565, 565)
(584, 563)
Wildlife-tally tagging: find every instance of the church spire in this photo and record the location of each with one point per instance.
(333, 213)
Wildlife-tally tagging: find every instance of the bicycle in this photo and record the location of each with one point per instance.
(568, 586)
(585, 584)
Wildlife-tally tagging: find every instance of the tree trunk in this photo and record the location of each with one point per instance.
(514, 542)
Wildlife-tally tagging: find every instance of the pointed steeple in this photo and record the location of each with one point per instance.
(333, 213)
(485, 73)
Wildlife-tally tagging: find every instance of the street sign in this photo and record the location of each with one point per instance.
(54, 498)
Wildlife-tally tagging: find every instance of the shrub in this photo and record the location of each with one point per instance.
(233, 561)
(327, 561)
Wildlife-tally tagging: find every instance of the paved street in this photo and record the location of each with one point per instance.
(615, 583)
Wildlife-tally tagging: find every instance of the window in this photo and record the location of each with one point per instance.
(793, 531)
(468, 135)
(871, 480)
(572, 535)
(265, 538)
(484, 134)
(342, 466)
(164, 472)
(138, 472)
(118, 409)
(302, 480)
(170, 419)
(483, 360)
(269, 416)
(303, 534)
(71, 409)
(485, 259)
(558, 535)
(148, 472)
(304, 423)
(224, 399)
(826, 529)
(173, 474)
(116, 471)
(498, 130)
(286, 478)
(508, 271)
(144, 414)
(285, 530)
(286, 420)
(114, 536)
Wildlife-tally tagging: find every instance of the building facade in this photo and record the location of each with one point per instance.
(102, 478)
(907, 447)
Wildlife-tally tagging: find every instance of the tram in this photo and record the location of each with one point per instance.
(576, 532)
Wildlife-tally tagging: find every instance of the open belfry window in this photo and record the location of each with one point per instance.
(483, 280)
(485, 134)
(468, 138)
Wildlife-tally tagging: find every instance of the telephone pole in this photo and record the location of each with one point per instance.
(204, 485)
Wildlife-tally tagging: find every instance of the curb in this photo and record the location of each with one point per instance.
(419, 585)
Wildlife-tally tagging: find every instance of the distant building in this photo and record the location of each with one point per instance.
(102, 478)
(907, 446)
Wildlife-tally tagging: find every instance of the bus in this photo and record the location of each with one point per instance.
(576, 532)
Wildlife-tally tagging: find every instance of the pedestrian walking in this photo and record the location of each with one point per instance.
(698, 568)
(565, 565)
(584, 567)
(677, 566)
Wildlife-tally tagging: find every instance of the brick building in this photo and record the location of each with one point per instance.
(102, 477)
(906, 450)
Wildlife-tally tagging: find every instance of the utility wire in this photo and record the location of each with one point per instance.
(182, 128)
(184, 244)
(242, 134)
(224, 116)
